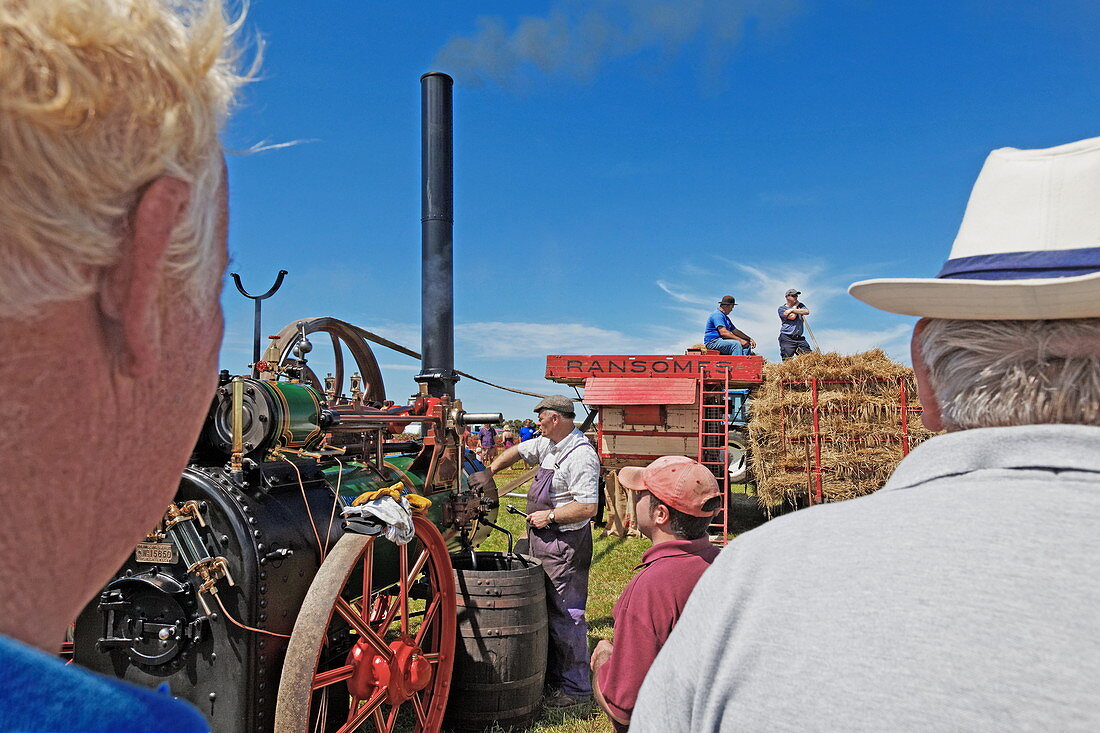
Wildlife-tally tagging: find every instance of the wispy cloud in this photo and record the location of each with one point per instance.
(400, 367)
(692, 298)
(576, 39)
(510, 340)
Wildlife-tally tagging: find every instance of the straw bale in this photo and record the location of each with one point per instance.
(859, 425)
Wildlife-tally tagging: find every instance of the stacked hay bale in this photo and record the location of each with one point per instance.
(859, 434)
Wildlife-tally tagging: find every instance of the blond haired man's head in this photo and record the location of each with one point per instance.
(113, 241)
(99, 98)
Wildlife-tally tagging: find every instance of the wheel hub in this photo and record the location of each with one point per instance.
(406, 673)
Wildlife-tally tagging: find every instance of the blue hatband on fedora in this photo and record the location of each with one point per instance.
(1024, 265)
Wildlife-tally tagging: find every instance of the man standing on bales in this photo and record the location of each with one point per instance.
(113, 238)
(561, 502)
(676, 500)
(791, 314)
(964, 594)
(721, 335)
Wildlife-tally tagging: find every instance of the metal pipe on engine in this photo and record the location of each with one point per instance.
(437, 228)
(480, 418)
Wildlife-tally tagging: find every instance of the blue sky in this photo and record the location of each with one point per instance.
(622, 164)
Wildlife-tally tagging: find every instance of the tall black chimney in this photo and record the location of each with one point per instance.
(437, 337)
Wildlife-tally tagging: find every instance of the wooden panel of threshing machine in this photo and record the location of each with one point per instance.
(655, 405)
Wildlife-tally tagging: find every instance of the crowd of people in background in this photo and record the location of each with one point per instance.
(487, 442)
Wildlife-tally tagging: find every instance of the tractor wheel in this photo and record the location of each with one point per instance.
(364, 658)
(738, 456)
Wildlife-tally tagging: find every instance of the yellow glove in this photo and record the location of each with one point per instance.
(419, 504)
(394, 491)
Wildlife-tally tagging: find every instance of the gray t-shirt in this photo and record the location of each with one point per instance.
(964, 595)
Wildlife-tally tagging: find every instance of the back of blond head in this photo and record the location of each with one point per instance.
(97, 99)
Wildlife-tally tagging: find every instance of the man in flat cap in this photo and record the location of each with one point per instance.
(791, 314)
(963, 595)
(722, 336)
(561, 501)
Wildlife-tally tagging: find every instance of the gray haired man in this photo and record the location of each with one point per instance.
(964, 595)
(561, 502)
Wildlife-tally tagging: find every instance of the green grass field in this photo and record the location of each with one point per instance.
(613, 562)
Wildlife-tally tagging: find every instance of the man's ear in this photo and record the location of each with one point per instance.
(930, 406)
(661, 515)
(129, 291)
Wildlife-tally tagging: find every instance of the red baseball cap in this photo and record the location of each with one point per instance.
(678, 481)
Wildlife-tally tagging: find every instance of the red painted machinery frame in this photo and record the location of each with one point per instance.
(814, 487)
(573, 369)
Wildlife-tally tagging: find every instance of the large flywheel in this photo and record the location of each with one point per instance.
(345, 339)
(373, 646)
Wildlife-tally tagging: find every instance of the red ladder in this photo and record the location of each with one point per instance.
(714, 444)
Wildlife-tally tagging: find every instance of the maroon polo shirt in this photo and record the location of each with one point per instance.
(645, 614)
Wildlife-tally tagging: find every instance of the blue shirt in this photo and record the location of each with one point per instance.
(792, 326)
(525, 433)
(39, 692)
(717, 318)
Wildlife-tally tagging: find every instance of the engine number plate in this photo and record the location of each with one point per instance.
(163, 553)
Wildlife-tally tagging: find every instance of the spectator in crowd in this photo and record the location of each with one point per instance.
(527, 430)
(677, 498)
(488, 436)
(113, 209)
(944, 601)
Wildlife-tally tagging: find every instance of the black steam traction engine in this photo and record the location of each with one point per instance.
(250, 599)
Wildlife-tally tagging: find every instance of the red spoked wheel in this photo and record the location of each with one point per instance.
(363, 659)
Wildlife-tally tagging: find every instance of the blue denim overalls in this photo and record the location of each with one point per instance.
(566, 557)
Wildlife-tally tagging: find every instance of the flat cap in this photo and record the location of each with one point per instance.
(727, 300)
(557, 403)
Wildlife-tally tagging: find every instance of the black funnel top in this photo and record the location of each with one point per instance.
(437, 227)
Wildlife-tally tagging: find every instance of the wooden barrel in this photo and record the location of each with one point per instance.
(500, 652)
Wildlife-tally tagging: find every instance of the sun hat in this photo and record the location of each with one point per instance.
(1028, 247)
(727, 300)
(678, 481)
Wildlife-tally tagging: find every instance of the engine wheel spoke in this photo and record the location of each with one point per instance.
(366, 632)
(426, 622)
(403, 592)
(418, 706)
(356, 717)
(331, 677)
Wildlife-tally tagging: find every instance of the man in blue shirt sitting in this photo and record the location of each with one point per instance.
(113, 202)
(791, 313)
(722, 336)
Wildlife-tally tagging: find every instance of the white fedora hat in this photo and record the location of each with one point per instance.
(1028, 247)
